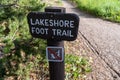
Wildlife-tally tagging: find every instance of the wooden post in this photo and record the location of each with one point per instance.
(56, 69)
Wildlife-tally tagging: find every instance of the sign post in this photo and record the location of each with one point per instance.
(56, 26)
(56, 69)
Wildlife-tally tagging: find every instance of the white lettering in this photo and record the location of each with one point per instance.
(53, 23)
(61, 23)
(70, 33)
(64, 33)
(37, 22)
(33, 29)
(66, 23)
(59, 32)
(56, 23)
(41, 22)
(31, 21)
(37, 30)
(46, 22)
(40, 30)
(71, 24)
(46, 30)
(53, 31)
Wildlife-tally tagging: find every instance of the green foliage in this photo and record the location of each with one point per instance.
(107, 9)
(22, 53)
(11, 9)
(76, 67)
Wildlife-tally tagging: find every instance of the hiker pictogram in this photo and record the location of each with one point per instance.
(54, 54)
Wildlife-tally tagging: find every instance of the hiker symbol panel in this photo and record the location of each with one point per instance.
(55, 54)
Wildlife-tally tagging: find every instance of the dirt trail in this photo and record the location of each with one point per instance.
(103, 39)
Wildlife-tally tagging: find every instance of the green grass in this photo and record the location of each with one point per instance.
(24, 56)
(106, 9)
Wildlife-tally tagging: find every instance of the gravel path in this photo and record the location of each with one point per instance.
(103, 39)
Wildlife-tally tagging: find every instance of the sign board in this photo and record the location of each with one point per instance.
(56, 26)
(55, 54)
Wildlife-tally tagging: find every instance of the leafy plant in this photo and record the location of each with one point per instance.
(19, 46)
(76, 67)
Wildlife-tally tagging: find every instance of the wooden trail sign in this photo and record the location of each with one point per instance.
(55, 26)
